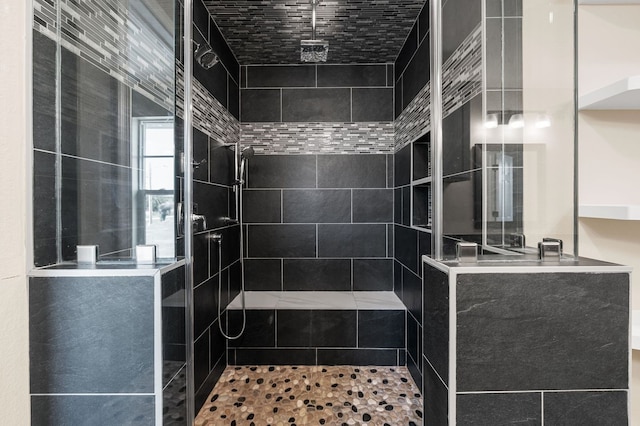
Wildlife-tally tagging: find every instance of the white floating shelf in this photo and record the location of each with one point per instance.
(635, 329)
(623, 94)
(422, 181)
(603, 2)
(616, 212)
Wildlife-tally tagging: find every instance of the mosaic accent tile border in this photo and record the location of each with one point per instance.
(462, 73)
(209, 115)
(322, 395)
(461, 81)
(319, 138)
(113, 38)
(415, 120)
(269, 32)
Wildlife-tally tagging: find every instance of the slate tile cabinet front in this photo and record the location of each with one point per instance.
(525, 342)
(107, 346)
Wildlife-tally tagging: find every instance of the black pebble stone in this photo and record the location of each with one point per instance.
(322, 421)
(419, 413)
(250, 416)
(214, 397)
(354, 409)
(292, 419)
(260, 381)
(366, 417)
(212, 409)
(389, 407)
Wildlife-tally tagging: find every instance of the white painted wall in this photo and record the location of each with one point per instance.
(609, 146)
(15, 247)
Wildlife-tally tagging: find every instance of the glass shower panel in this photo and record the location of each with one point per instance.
(116, 143)
(508, 137)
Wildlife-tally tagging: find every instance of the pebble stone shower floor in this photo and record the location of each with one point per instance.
(313, 395)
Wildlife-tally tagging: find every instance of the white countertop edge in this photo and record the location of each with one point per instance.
(124, 270)
(320, 300)
(510, 268)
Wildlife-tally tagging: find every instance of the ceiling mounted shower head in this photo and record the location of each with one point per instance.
(205, 56)
(314, 50)
(247, 152)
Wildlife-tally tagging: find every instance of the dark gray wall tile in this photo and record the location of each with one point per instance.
(381, 329)
(282, 171)
(372, 104)
(95, 112)
(44, 92)
(436, 320)
(402, 166)
(218, 343)
(416, 375)
(372, 274)
(262, 206)
(204, 391)
(417, 74)
(275, 357)
(406, 206)
(352, 171)
(390, 75)
(107, 410)
(294, 328)
(373, 205)
(201, 18)
(222, 49)
(423, 21)
(324, 105)
(407, 51)
(201, 259)
(260, 105)
(585, 408)
(213, 79)
(281, 76)
(73, 320)
(352, 240)
(588, 314)
(213, 203)
(333, 328)
(352, 75)
(263, 274)
(397, 278)
(500, 409)
(44, 208)
(414, 351)
(221, 164)
(205, 304)
(436, 398)
(372, 357)
(397, 206)
(513, 54)
(201, 348)
(282, 240)
(234, 99)
(397, 99)
(406, 247)
(412, 294)
(316, 206)
(317, 274)
(200, 153)
(260, 328)
(459, 18)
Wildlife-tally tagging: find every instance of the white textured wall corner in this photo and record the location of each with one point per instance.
(15, 244)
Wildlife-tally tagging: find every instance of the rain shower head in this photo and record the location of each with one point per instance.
(205, 56)
(314, 50)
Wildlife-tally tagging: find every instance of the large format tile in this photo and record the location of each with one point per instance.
(459, 18)
(372, 104)
(381, 329)
(275, 356)
(259, 331)
(358, 356)
(417, 74)
(263, 274)
(586, 408)
(282, 240)
(44, 209)
(436, 320)
(107, 410)
(352, 75)
(355, 240)
(260, 105)
(503, 325)
(372, 205)
(317, 274)
(281, 76)
(44, 92)
(436, 398)
(309, 105)
(352, 171)
(500, 409)
(73, 320)
(373, 274)
(262, 206)
(316, 206)
(282, 171)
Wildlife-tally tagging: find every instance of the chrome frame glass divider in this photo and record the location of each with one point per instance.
(485, 180)
(576, 152)
(436, 127)
(187, 207)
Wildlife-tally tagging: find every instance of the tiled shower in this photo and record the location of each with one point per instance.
(339, 203)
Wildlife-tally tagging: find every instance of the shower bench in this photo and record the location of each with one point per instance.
(319, 328)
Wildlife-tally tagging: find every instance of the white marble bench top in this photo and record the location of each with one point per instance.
(343, 300)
